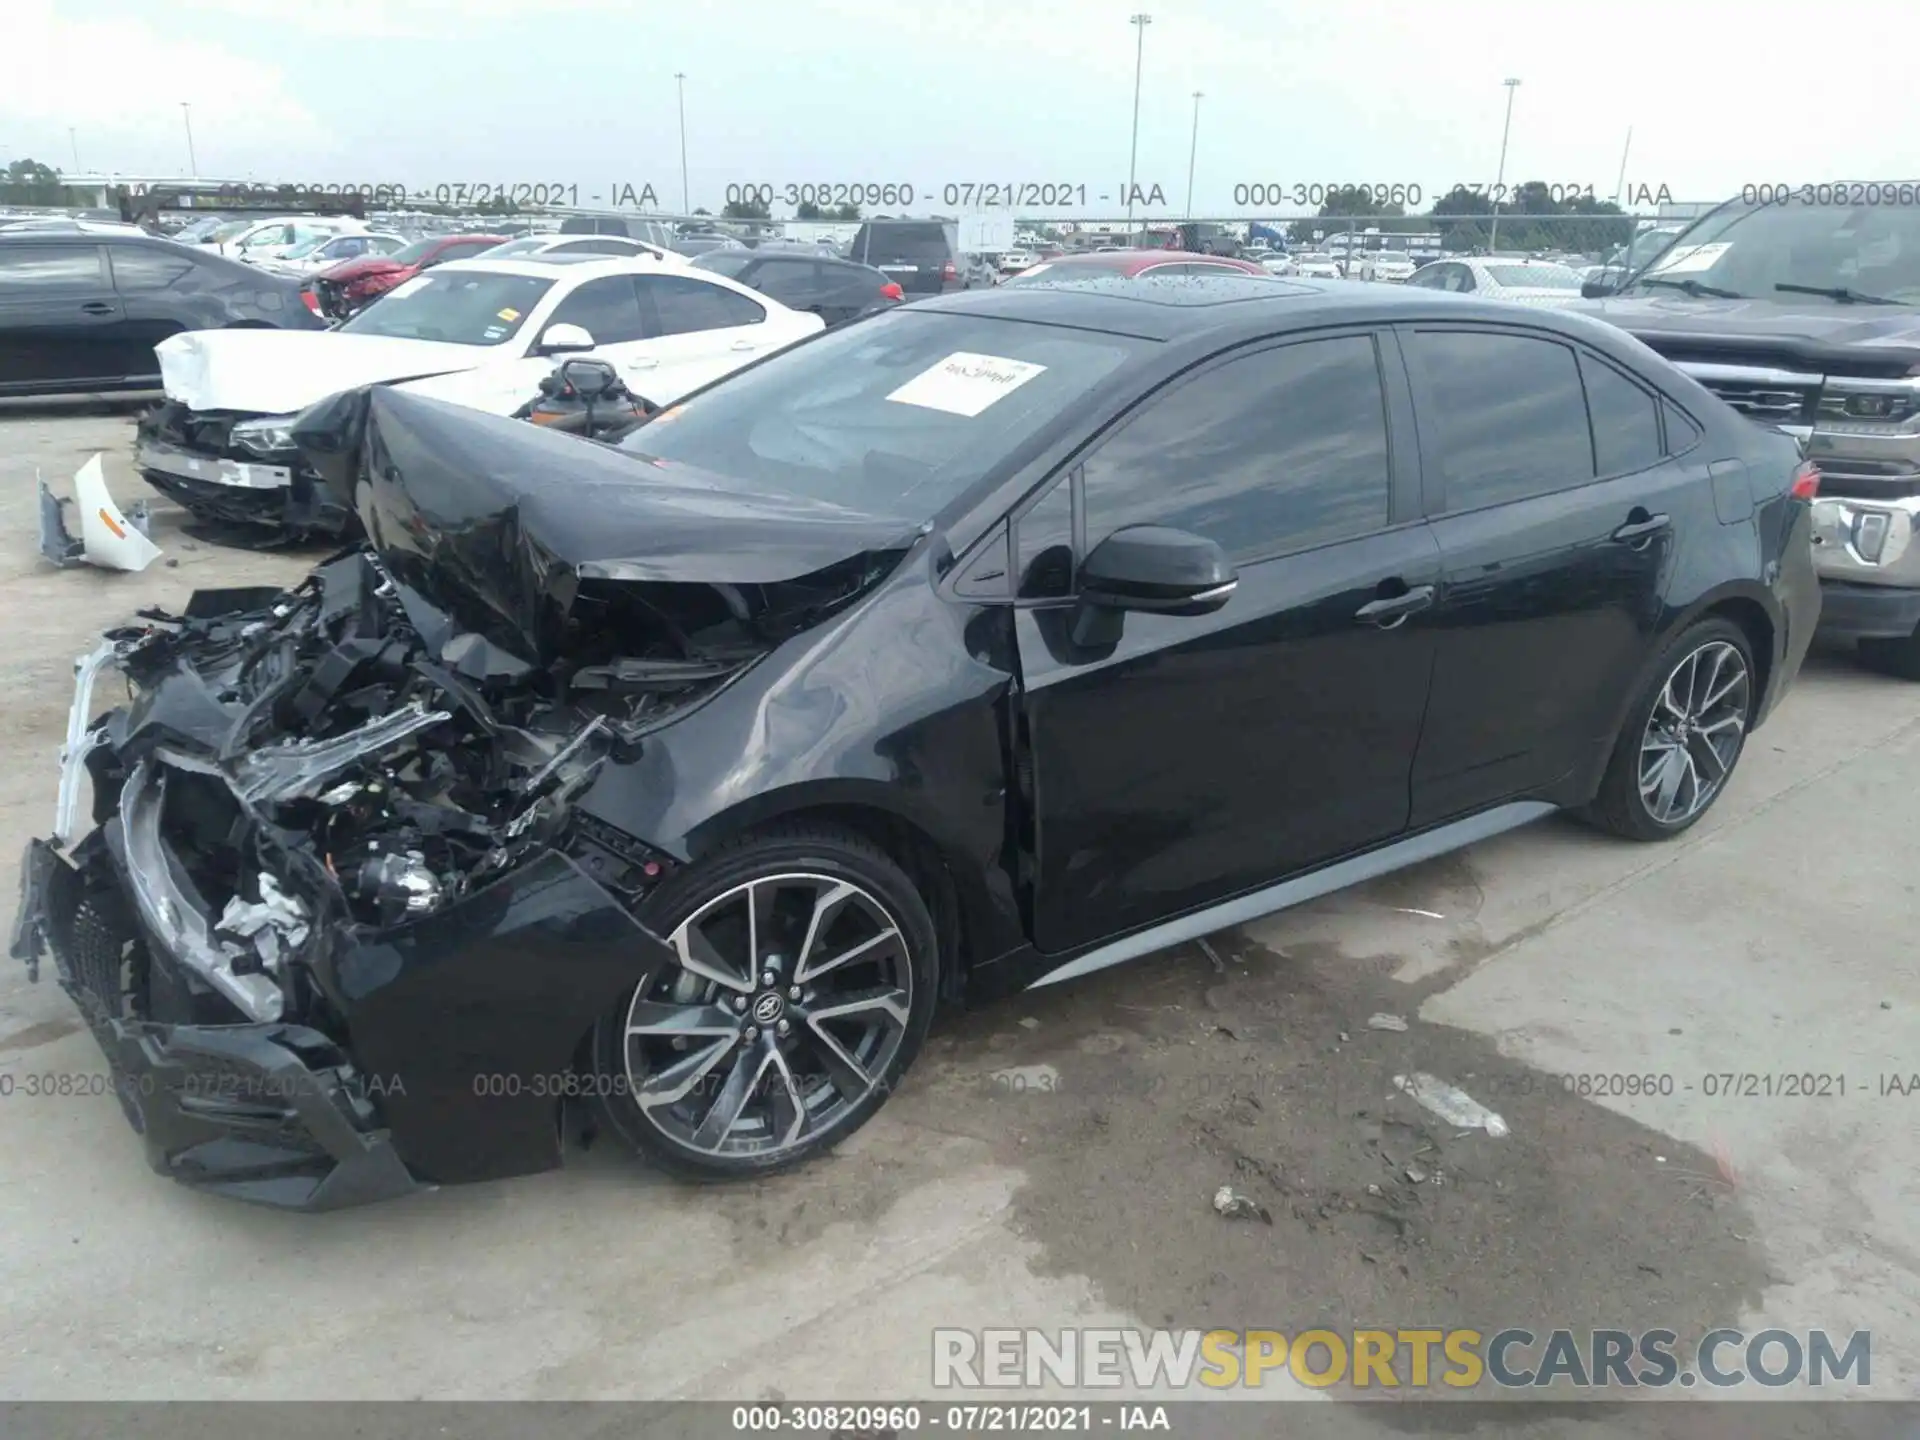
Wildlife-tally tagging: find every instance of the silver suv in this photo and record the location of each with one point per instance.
(1803, 313)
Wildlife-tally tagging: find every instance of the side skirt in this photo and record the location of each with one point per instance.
(1454, 835)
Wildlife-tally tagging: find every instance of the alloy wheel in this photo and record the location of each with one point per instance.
(1694, 734)
(788, 1002)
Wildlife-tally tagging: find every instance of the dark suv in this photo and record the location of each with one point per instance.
(988, 642)
(82, 312)
(922, 257)
(1800, 307)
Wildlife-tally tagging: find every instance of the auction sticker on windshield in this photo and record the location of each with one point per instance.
(1691, 257)
(965, 383)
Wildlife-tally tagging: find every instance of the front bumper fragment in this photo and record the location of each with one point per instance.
(275, 1114)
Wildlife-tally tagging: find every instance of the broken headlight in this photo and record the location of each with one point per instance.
(265, 436)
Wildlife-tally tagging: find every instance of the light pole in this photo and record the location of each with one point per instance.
(73, 140)
(1193, 150)
(1139, 23)
(1493, 234)
(686, 204)
(1625, 150)
(186, 118)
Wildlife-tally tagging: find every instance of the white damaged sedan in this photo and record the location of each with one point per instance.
(480, 333)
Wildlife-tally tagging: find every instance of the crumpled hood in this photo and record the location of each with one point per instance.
(276, 372)
(1815, 333)
(499, 522)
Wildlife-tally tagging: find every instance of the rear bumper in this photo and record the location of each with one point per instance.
(1851, 611)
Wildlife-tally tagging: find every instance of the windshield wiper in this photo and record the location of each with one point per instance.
(1840, 293)
(1694, 288)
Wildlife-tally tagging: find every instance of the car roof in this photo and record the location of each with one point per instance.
(581, 269)
(1224, 310)
(1131, 262)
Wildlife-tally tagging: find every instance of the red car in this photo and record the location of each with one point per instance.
(1132, 264)
(344, 289)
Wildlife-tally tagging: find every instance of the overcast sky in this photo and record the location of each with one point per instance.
(949, 91)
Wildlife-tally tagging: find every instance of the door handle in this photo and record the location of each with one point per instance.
(744, 345)
(1640, 528)
(1391, 612)
(643, 363)
(97, 307)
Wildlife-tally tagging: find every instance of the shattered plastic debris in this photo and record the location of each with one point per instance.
(1451, 1104)
(109, 537)
(1417, 1175)
(272, 926)
(1235, 1206)
(1384, 1021)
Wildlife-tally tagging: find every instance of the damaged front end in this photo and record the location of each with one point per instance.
(336, 902)
(239, 473)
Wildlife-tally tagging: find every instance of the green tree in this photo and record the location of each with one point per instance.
(846, 212)
(745, 210)
(28, 182)
(1356, 207)
(807, 210)
(701, 210)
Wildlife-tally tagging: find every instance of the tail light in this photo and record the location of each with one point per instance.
(892, 291)
(311, 300)
(948, 272)
(1806, 482)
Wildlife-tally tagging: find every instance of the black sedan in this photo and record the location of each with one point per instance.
(984, 644)
(82, 312)
(836, 290)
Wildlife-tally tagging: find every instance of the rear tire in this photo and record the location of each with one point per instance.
(1683, 736)
(1899, 658)
(716, 1068)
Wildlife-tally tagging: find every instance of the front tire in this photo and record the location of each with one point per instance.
(1684, 734)
(804, 979)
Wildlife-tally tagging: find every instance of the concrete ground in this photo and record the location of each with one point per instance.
(1051, 1160)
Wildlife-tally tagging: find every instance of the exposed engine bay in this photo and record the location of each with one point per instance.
(342, 754)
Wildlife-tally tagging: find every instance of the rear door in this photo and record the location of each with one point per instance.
(1201, 757)
(698, 331)
(58, 317)
(1557, 515)
(147, 280)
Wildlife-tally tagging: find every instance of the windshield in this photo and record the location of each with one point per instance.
(416, 252)
(307, 247)
(724, 262)
(896, 416)
(1867, 251)
(200, 229)
(525, 245)
(1535, 277)
(473, 307)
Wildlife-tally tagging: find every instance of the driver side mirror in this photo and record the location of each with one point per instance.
(1599, 287)
(564, 339)
(1149, 568)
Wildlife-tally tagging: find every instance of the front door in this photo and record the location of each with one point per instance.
(59, 317)
(1202, 757)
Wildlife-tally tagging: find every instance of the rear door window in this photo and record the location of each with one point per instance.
(680, 305)
(1626, 420)
(1508, 413)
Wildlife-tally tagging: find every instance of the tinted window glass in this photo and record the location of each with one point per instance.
(885, 244)
(599, 245)
(51, 267)
(147, 267)
(1626, 422)
(605, 309)
(682, 304)
(1509, 413)
(465, 250)
(1682, 433)
(782, 278)
(1044, 545)
(1273, 451)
